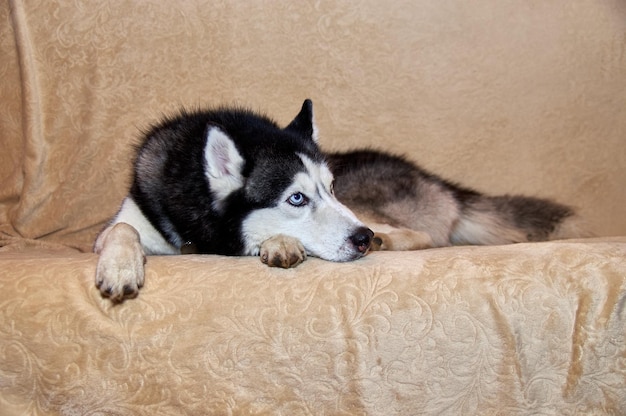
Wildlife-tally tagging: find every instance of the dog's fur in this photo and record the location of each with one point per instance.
(229, 181)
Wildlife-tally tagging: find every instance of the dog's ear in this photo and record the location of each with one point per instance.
(304, 123)
(223, 164)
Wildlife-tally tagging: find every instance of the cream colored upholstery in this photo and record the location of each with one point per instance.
(505, 97)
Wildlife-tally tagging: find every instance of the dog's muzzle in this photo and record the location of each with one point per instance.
(362, 238)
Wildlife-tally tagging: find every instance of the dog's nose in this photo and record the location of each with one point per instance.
(362, 239)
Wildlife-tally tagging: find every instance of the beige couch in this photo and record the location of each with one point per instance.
(519, 97)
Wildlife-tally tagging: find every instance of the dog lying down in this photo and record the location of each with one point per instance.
(232, 182)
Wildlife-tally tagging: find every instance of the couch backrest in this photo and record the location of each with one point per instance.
(506, 97)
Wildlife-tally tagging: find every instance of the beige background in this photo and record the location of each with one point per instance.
(503, 96)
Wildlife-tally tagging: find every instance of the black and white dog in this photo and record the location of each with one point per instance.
(229, 181)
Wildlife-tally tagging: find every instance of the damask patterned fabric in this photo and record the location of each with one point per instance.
(503, 96)
(526, 329)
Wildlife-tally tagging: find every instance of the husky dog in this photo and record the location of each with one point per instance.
(232, 182)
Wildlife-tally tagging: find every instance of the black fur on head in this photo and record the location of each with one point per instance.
(271, 167)
(170, 183)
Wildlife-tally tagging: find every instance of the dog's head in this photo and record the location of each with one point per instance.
(279, 180)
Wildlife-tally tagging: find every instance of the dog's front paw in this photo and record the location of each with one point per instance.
(282, 251)
(120, 269)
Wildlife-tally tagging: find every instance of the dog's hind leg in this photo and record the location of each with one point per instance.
(399, 239)
(120, 269)
(394, 238)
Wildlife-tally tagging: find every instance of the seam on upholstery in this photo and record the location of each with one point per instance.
(33, 145)
(31, 96)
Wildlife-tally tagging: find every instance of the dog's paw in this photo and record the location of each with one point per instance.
(120, 269)
(282, 251)
(401, 240)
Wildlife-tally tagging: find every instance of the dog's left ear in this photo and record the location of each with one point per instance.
(304, 123)
(223, 165)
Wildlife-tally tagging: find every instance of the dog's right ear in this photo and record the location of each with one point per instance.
(223, 165)
(304, 123)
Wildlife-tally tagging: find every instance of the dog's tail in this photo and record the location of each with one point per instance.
(492, 220)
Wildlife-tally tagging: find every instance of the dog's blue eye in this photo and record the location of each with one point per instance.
(297, 199)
